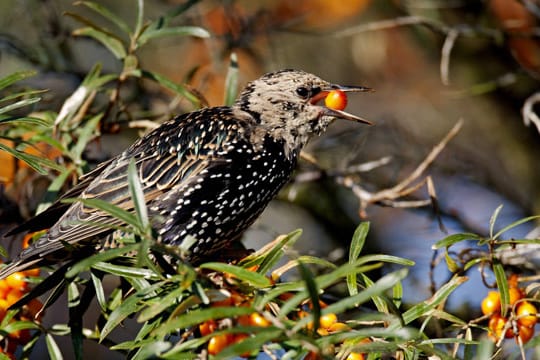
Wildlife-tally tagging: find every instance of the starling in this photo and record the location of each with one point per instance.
(209, 173)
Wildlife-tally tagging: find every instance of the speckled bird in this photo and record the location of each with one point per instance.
(208, 173)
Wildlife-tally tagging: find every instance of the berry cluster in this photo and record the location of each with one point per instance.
(12, 289)
(522, 315)
(328, 323)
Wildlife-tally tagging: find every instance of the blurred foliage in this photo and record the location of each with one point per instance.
(289, 309)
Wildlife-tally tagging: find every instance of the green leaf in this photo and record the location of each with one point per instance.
(19, 104)
(422, 309)
(100, 293)
(140, 18)
(502, 284)
(125, 271)
(450, 263)
(277, 251)
(179, 89)
(253, 278)
(313, 293)
(514, 224)
(52, 347)
(137, 194)
(231, 81)
(35, 162)
(250, 345)
(88, 262)
(108, 14)
(453, 239)
(128, 307)
(357, 243)
(25, 120)
(86, 134)
(113, 210)
(152, 33)
(199, 316)
(114, 45)
(379, 302)
(152, 350)
(15, 77)
(493, 220)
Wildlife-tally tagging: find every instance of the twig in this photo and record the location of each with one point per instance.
(527, 111)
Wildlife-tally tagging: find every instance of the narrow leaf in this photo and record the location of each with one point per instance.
(115, 46)
(88, 262)
(151, 33)
(493, 220)
(231, 81)
(53, 349)
(440, 296)
(251, 277)
(357, 243)
(15, 77)
(137, 194)
(453, 239)
(108, 14)
(502, 284)
(514, 224)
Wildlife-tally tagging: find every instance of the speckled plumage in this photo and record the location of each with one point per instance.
(208, 173)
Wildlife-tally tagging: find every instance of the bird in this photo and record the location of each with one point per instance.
(207, 174)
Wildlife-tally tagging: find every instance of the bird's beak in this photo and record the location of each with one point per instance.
(340, 113)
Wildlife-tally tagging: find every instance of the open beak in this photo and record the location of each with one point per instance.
(340, 113)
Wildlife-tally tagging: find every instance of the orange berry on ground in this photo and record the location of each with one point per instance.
(336, 99)
(355, 356)
(257, 319)
(207, 327)
(525, 333)
(217, 343)
(328, 320)
(526, 314)
(514, 295)
(491, 303)
(17, 281)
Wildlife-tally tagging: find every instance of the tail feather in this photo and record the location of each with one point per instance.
(19, 265)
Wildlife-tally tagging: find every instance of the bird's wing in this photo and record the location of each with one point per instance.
(50, 216)
(158, 171)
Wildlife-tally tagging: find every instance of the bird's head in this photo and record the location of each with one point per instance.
(287, 104)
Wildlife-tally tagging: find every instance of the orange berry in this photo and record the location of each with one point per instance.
(17, 281)
(328, 320)
(217, 343)
(31, 272)
(257, 319)
(491, 303)
(312, 356)
(513, 281)
(526, 314)
(525, 333)
(496, 325)
(21, 336)
(207, 327)
(13, 296)
(355, 356)
(338, 326)
(336, 99)
(4, 285)
(514, 295)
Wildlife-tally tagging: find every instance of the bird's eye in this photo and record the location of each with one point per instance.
(302, 92)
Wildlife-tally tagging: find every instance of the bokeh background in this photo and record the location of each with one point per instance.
(432, 64)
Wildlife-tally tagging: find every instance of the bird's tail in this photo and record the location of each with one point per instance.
(18, 265)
